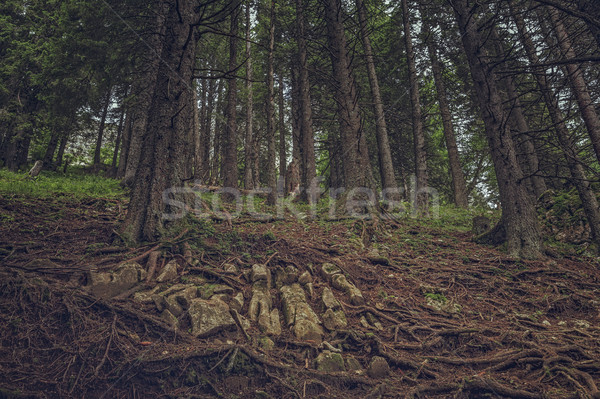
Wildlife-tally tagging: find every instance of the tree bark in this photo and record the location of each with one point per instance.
(61, 149)
(165, 138)
(249, 140)
(198, 132)
(518, 212)
(386, 167)
(271, 151)
(579, 179)
(592, 8)
(282, 132)
(578, 84)
(97, 159)
(125, 145)
(50, 150)
(306, 141)
(353, 143)
(459, 186)
(421, 195)
(118, 139)
(230, 169)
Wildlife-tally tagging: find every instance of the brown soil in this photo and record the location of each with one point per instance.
(514, 329)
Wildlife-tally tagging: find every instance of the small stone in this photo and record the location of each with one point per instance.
(310, 289)
(145, 296)
(170, 319)
(582, 324)
(172, 304)
(378, 368)
(329, 300)
(159, 302)
(562, 323)
(305, 278)
(352, 364)
(274, 327)
(546, 323)
(168, 273)
(266, 344)
(260, 272)
(333, 320)
(237, 302)
(185, 296)
(110, 284)
(328, 270)
(330, 362)
(228, 267)
(210, 317)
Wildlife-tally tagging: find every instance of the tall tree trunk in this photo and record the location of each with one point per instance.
(118, 139)
(586, 194)
(165, 139)
(230, 168)
(216, 168)
(101, 127)
(50, 150)
(386, 167)
(61, 149)
(248, 139)
(578, 84)
(421, 195)
(208, 131)
(271, 151)
(308, 166)
(295, 72)
(125, 145)
(518, 212)
(282, 132)
(354, 149)
(459, 186)
(198, 132)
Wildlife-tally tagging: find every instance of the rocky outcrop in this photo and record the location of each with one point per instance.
(299, 315)
(113, 283)
(209, 317)
(259, 309)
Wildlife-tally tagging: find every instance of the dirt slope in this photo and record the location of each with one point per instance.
(448, 317)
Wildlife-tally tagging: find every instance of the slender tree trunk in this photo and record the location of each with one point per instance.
(125, 145)
(578, 84)
(421, 195)
(118, 139)
(161, 165)
(295, 113)
(216, 172)
(459, 186)
(61, 149)
(97, 159)
(248, 139)
(230, 168)
(198, 132)
(586, 194)
(208, 131)
(354, 150)
(518, 212)
(282, 132)
(50, 150)
(271, 151)
(308, 166)
(386, 167)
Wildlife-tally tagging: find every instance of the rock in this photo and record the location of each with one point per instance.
(237, 302)
(159, 302)
(173, 306)
(170, 319)
(330, 362)
(328, 270)
(297, 312)
(310, 288)
(378, 368)
(223, 289)
(176, 288)
(286, 276)
(374, 322)
(210, 317)
(184, 297)
(228, 267)
(329, 300)
(266, 344)
(221, 297)
(305, 278)
(340, 282)
(582, 324)
(260, 272)
(352, 364)
(168, 273)
(110, 284)
(274, 324)
(260, 303)
(334, 319)
(145, 296)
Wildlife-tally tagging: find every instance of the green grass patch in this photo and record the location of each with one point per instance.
(52, 184)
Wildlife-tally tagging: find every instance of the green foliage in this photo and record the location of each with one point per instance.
(51, 184)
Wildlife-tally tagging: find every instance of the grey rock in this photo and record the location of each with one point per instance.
(305, 278)
(170, 319)
(330, 362)
(173, 306)
(209, 317)
(145, 296)
(159, 302)
(223, 289)
(185, 296)
(297, 312)
(328, 270)
(110, 284)
(266, 344)
(168, 273)
(352, 364)
(329, 300)
(340, 282)
(334, 319)
(286, 276)
(228, 267)
(378, 368)
(237, 302)
(260, 272)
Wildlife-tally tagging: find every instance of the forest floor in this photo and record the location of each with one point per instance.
(451, 319)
